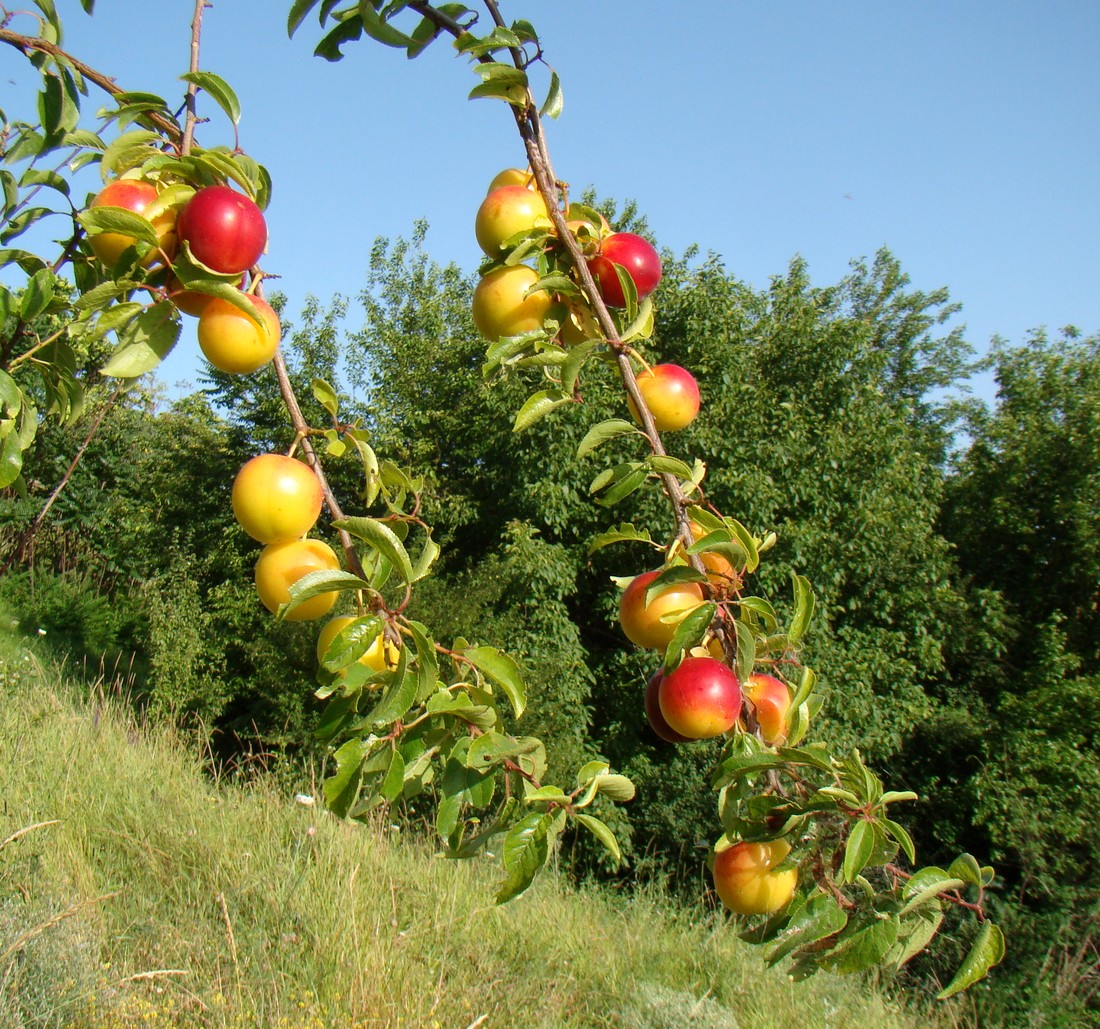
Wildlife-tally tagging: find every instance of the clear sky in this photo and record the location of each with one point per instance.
(963, 136)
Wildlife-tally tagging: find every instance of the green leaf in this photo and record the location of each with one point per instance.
(428, 554)
(603, 431)
(326, 396)
(84, 139)
(602, 833)
(819, 917)
(348, 30)
(899, 833)
(393, 782)
(664, 465)
(397, 698)
(382, 538)
(574, 360)
(746, 650)
(864, 948)
(351, 642)
(297, 15)
(118, 219)
(915, 934)
(313, 584)
(966, 867)
(615, 787)
(803, 608)
(625, 532)
(144, 342)
(858, 849)
(492, 748)
(988, 950)
(133, 143)
(515, 95)
(340, 789)
(926, 885)
(499, 667)
(538, 405)
(689, 633)
(377, 28)
(37, 295)
(554, 102)
(219, 90)
(617, 483)
(525, 851)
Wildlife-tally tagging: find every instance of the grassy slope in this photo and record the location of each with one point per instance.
(159, 898)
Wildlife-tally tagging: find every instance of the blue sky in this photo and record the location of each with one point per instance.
(964, 136)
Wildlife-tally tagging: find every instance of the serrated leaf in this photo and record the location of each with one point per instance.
(604, 431)
(524, 852)
(428, 555)
(351, 642)
(914, 936)
(618, 483)
(345, 32)
(863, 948)
(988, 950)
(491, 748)
(539, 405)
(819, 917)
(574, 361)
(298, 11)
(37, 295)
(662, 464)
(498, 90)
(503, 670)
(544, 793)
(625, 532)
(118, 219)
(394, 780)
(397, 698)
(381, 538)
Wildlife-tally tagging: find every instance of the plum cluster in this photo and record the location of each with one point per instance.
(214, 234)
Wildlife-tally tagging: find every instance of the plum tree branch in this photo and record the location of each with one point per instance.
(529, 124)
(192, 90)
(29, 44)
(302, 429)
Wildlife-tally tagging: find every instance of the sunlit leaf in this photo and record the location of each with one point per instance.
(988, 950)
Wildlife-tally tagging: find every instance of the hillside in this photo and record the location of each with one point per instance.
(135, 891)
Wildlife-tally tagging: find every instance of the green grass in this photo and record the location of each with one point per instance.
(140, 893)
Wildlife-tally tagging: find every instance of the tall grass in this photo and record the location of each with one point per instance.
(137, 892)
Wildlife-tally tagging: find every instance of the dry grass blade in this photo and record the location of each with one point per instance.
(26, 829)
(24, 938)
